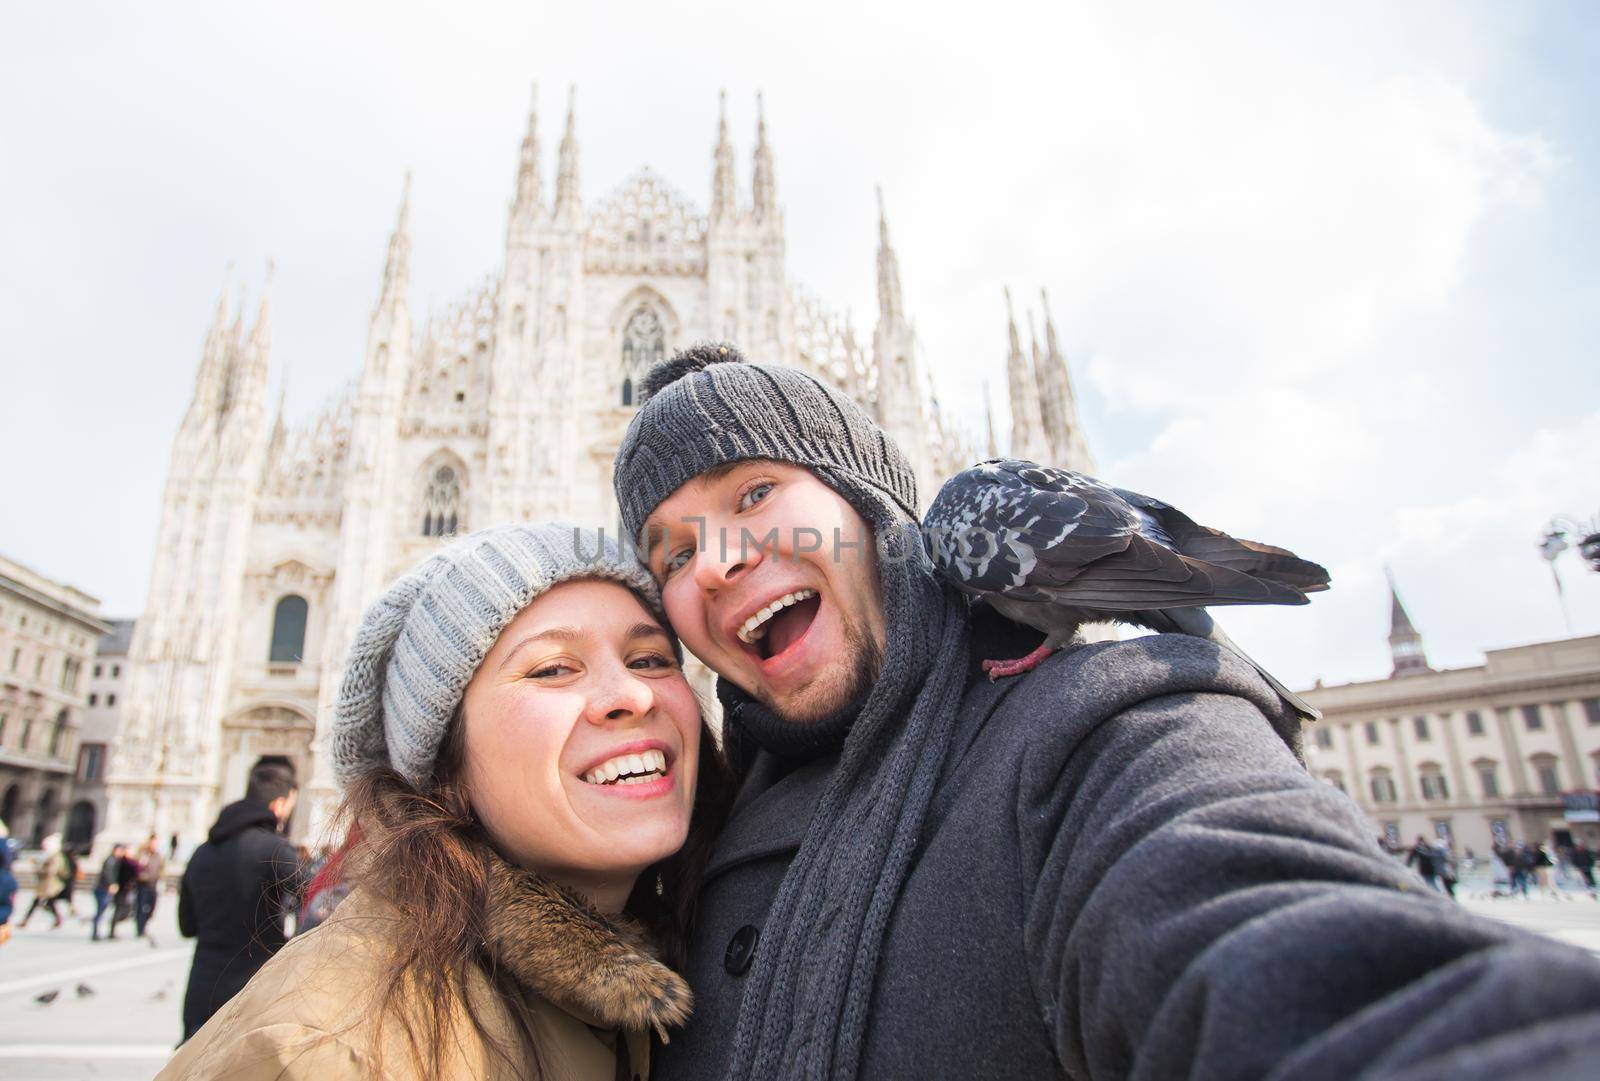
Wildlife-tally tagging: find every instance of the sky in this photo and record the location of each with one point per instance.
(1325, 275)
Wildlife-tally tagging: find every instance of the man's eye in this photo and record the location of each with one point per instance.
(676, 559)
(652, 660)
(754, 495)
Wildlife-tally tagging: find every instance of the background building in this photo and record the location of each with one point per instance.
(97, 732)
(507, 406)
(1467, 754)
(48, 633)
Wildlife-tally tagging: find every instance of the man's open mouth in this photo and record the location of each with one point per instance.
(773, 629)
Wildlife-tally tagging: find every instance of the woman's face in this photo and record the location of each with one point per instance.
(582, 740)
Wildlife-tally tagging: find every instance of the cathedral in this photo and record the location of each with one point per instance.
(507, 406)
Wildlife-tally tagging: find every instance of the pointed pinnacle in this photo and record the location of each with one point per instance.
(572, 110)
(403, 222)
(761, 120)
(1011, 316)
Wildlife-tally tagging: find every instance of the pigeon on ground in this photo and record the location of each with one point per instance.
(1054, 549)
(47, 998)
(84, 990)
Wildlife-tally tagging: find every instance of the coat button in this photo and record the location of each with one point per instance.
(741, 951)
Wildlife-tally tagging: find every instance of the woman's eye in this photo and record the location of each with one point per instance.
(652, 660)
(549, 671)
(754, 495)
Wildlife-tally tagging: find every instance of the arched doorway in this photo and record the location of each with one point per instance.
(8, 807)
(44, 818)
(80, 825)
(262, 731)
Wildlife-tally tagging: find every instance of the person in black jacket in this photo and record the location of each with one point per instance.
(236, 891)
(1110, 867)
(1426, 859)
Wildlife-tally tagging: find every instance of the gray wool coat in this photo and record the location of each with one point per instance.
(1125, 873)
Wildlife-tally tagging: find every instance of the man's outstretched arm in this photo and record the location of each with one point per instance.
(1199, 906)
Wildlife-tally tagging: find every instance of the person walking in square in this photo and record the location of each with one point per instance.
(148, 884)
(105, 888)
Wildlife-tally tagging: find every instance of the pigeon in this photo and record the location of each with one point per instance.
(1054, 549)
(47, 998)
(84, 990)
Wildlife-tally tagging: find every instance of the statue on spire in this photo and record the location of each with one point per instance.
(724, 193)
(568, 202)
(764, 185)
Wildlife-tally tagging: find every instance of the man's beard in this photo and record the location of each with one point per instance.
(866, 657)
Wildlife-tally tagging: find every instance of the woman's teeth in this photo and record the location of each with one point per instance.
(755, 628)
(629, 769)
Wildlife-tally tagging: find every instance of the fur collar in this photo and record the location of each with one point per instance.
(599, 968)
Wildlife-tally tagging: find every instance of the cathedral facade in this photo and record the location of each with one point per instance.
(507, 406)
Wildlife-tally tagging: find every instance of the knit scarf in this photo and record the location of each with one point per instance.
(805, 1006)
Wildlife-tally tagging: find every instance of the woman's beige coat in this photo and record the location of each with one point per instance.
(592, 988)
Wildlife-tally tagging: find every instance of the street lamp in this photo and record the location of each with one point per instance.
(1560, 533)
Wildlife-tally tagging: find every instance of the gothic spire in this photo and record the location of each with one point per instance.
(991, 449)
(1051, 347)
(528, 192)
(397, 264)
(890, 306)
(1028, 439)
(567, 198)
(764, 186)
(1405, 642)
(724, 193)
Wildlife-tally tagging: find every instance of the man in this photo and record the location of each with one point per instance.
(1108, 867)
(1426, 860)
(126, 896)
(150, 867)
(1583, 861)
(104, 887)
(236, 891)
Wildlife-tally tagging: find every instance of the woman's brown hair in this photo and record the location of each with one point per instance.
(424, 851)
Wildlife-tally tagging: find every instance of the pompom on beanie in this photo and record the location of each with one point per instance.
(420, 642)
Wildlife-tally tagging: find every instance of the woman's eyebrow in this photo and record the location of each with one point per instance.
(560, 634)
(646, 629)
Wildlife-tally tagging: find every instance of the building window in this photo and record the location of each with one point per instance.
(1434, 786)
(111, 699)
(1420, 726)
(1325, 738)
(644, 344)
(288, 631)
(94, 699)
(1391, 834)
(1532, 718)
(5, 721)
(441, 503)
(56, 732)
(1442, 830)
(1334, 778)
(1488, 777)
(97, 671)
(1591, 710)
(1372, 732)
(1544, 767)
(116, 670)
(38, 667)
(91, 762)
(27, 734)
(1382, 786)
(1474, 723)
(16, 658)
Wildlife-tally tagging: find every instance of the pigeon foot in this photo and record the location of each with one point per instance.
(1001, 669)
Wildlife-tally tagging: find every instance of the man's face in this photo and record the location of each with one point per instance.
(770, 577)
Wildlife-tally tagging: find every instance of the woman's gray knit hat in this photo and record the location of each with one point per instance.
(419, 644)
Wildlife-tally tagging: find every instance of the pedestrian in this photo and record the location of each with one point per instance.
(127, 889)
(236, 891)
(1539, 864)
(1110, 866)
(522, 758)
(149, 884)
(1426, 859)
(172, 847)
(8, 890)
(1583, 863)
(105, 888)
(52, 880)
(1445, 864)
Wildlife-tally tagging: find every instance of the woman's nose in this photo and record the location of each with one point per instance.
(622, 694)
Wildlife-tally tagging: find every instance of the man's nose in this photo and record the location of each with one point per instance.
(724, 559)
(621, 694)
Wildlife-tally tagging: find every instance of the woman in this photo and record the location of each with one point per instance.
(54, 880)
(520, 752)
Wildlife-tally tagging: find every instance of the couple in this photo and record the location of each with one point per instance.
(891, 867)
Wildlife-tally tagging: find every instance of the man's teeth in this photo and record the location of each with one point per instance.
(629, 769)
(755, 627)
